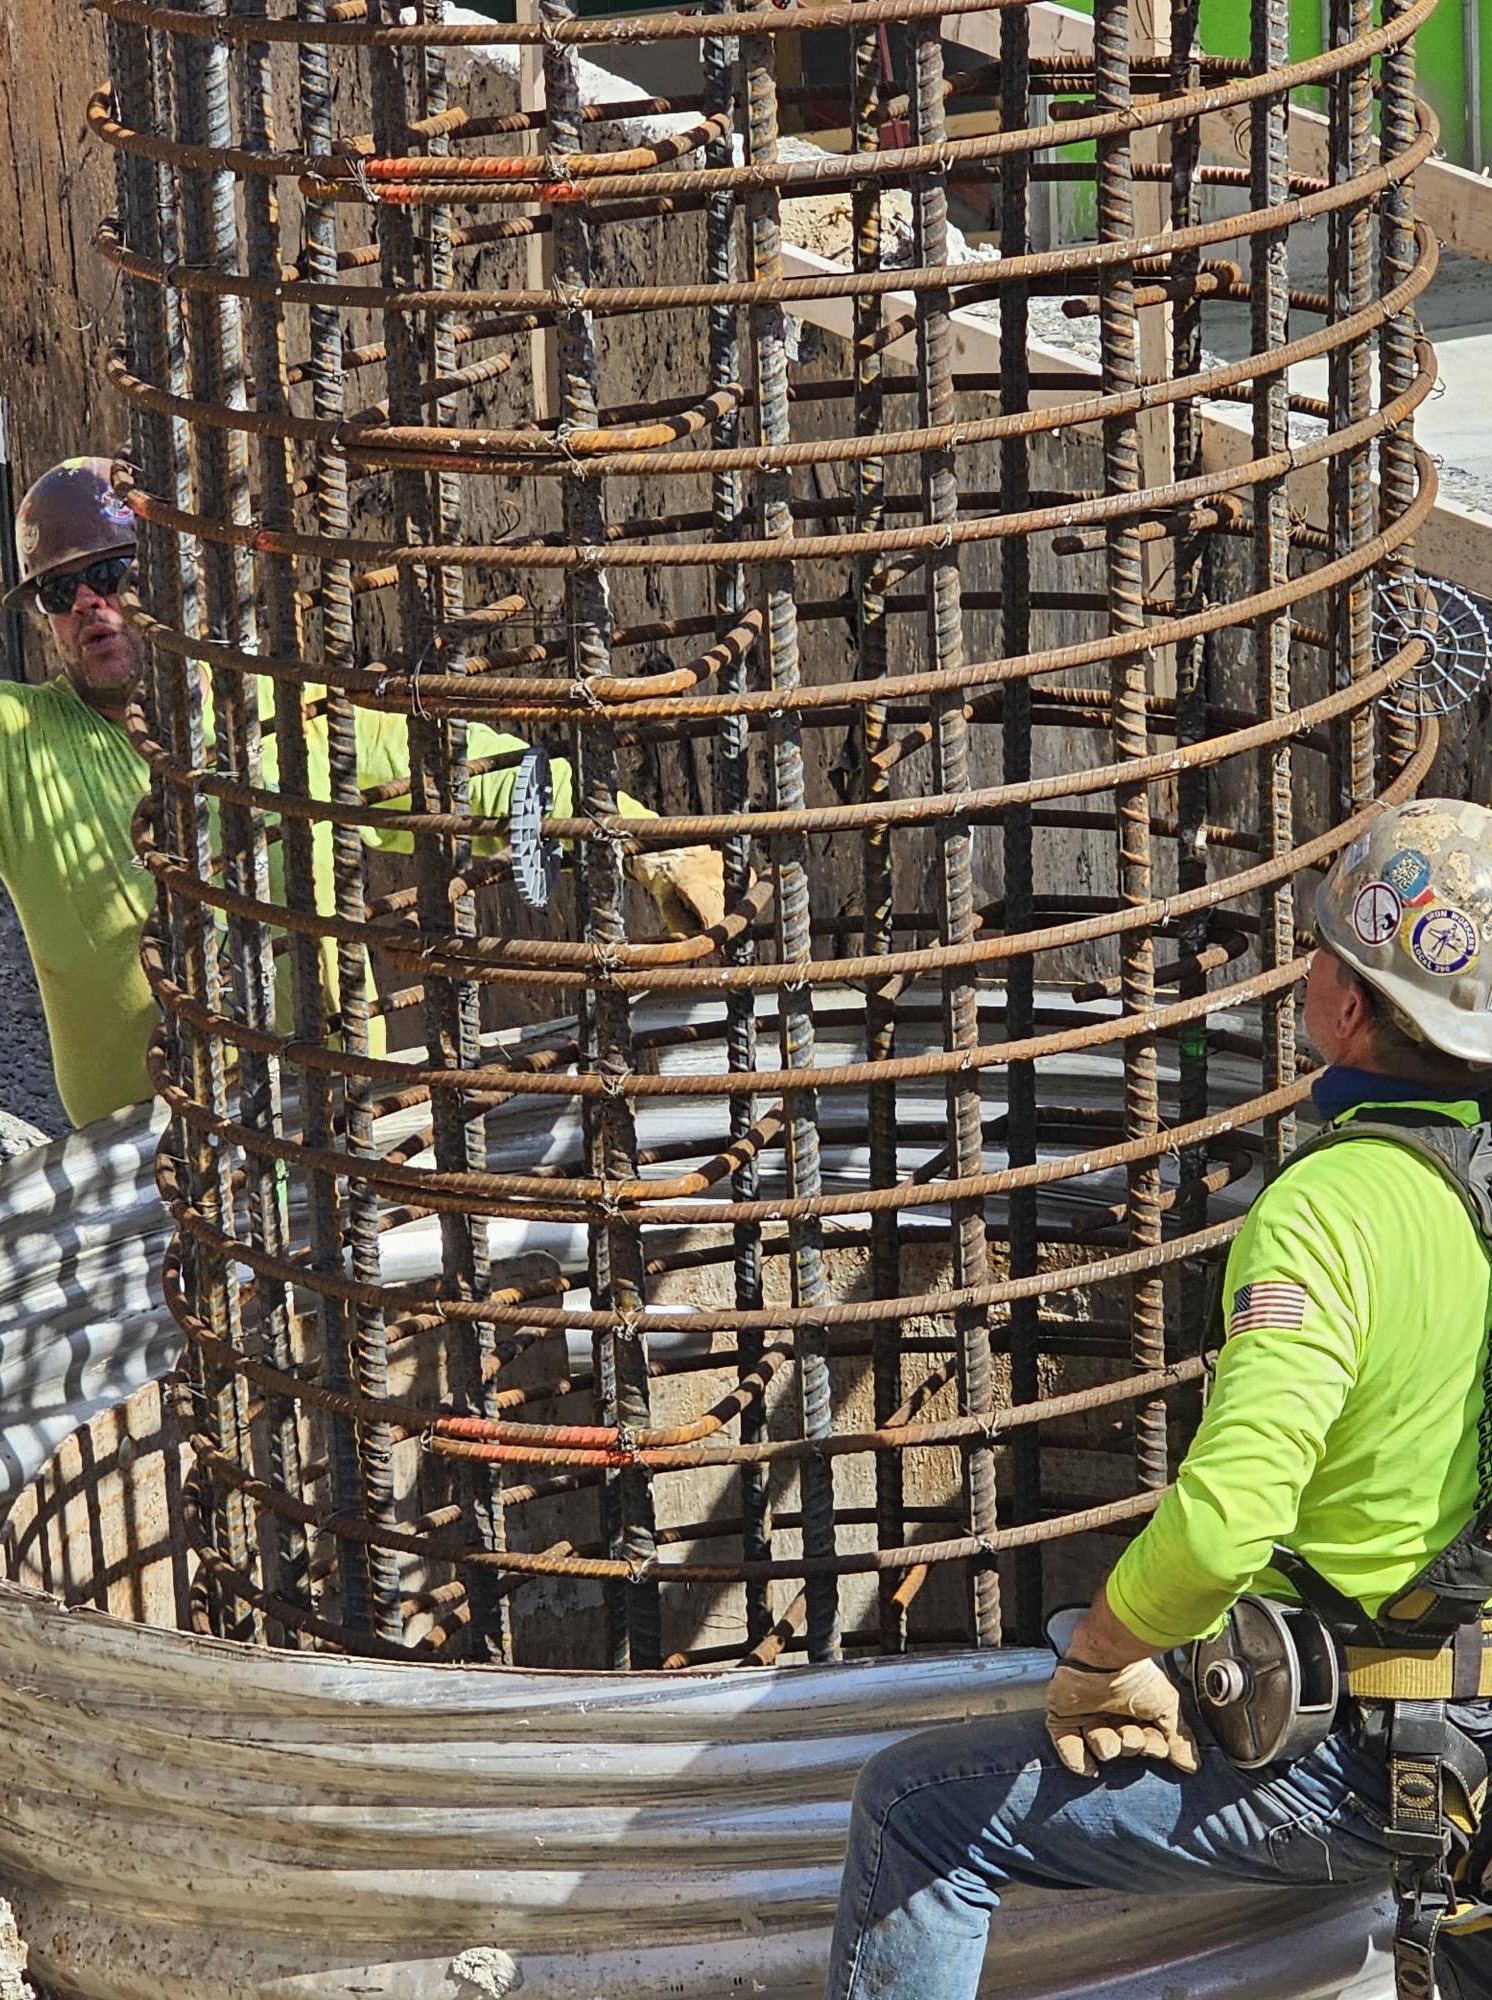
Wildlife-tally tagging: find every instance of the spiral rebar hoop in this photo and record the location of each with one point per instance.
(821, 1268)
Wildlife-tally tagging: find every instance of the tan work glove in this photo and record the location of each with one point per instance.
(1094, 1714)
(686, 883)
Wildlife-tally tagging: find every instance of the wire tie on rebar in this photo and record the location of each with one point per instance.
(360, 178)
(549, 35)
(589, 557)
(564, 431)
(416, 698)
(570, 294)
(582, 690)
(629, 1326)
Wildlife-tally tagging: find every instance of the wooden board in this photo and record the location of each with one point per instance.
(59, 305)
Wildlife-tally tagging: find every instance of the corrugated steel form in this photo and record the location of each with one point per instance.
(191, 1820)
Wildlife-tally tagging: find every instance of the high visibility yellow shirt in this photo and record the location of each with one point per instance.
(69, 785)
(1343, 1419)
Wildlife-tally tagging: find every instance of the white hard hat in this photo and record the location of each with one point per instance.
(1409, 907)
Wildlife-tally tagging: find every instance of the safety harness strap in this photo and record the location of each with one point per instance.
(1458, 1670)
(1418, 1838)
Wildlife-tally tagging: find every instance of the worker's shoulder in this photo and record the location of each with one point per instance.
(1362, 1179)
(25, 707)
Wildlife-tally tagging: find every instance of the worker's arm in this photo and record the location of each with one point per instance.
(1295, 1324)
(1294, 1328)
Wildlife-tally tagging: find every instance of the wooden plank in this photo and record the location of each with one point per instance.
(59, 303)
(1456, 204)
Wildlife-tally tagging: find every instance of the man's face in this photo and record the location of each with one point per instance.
(1336, 1012)
(97, 647)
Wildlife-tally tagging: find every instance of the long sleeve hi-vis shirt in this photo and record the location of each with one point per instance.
(70, 781)
(1344, 1415)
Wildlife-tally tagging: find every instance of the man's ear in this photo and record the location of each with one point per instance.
(1356, 1005)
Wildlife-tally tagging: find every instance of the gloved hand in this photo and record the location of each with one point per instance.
(1094, 1714)
(686, 883)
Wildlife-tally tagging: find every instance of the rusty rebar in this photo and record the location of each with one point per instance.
(836, 1255)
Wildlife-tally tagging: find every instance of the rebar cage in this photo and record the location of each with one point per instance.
(812, 1278)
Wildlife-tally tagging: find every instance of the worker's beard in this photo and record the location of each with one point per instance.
(102, 662)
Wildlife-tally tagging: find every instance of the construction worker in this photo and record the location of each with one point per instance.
(1345, 1457)
(70, 782)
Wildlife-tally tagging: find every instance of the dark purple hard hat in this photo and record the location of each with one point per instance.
(71, 512)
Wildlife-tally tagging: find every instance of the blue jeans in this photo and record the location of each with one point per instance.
(943, 1821)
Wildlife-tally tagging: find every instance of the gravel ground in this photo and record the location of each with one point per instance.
(29, 1106)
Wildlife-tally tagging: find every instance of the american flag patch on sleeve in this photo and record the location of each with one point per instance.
(1273, 1302)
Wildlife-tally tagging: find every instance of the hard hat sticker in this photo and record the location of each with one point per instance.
(1443, 940)
(1408, 875)
(1356, 854)
(1376, 911)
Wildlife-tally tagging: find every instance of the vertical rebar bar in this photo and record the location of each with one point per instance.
(214, 347)
(1269, 325)
(589, 624)
(1015, 643)
(720, 56)
(955, 868)
(332, 607)
(1397, 476)
(790, 852)
(354, 1348)
(871, 627)
(1471, 59)
(1350, 390)
(260, 1088)
(1130, 695)
(1193, 659)
(476, 1352)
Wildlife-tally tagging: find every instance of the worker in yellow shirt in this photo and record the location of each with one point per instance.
(70, 781)
(1327, 1541)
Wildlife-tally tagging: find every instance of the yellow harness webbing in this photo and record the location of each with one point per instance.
(1458, 1670)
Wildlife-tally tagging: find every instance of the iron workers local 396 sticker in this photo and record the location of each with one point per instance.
(1376, 911)
(1443, 939)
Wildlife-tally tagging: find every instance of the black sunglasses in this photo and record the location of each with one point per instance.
(57, 594)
